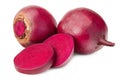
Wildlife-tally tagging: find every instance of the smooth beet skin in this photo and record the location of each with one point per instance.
(33, 24)
(63, 45)
(34, 59)
(88, 29)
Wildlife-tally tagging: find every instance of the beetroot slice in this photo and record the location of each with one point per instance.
(34, 59)
(63, 46)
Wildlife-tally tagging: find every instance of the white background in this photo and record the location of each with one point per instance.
(102, 65)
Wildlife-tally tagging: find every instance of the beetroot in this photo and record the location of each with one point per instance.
(88, 29)
(33, 24)
(34, 59)
(63, 46)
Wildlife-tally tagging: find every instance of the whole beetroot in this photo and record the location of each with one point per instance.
(33, 24)
(88, 29)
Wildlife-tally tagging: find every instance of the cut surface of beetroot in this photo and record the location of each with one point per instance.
(19, 28)
(35, 58)
(63, 46)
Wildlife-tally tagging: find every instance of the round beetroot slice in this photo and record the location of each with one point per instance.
(35, 58)
(63, 46)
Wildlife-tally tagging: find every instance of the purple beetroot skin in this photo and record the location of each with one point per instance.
(63, 46)
(34, 59)
(87, 28)
(33, 24)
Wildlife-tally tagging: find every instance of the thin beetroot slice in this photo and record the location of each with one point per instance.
(63, 46)
(34, 58)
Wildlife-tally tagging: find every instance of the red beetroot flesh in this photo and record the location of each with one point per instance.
(33, 24)
(63, 46)
(34, 59)
(87, 28)
(19, 28)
